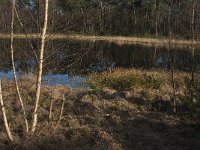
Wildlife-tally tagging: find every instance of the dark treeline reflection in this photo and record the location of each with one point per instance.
(79, 58)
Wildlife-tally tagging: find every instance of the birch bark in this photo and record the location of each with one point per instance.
(40, 68)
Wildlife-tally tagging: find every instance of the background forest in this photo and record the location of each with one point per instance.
(109, 17)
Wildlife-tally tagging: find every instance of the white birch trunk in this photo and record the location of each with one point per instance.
(40, 68)
(4, 116)
(13, 67)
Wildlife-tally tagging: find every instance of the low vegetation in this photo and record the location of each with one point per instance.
(130, 79)
(98, 119)
(152, 85)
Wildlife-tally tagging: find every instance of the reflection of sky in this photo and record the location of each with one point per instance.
(51, 79)
(65, 79)
(6, 75)
(159, 60)
(31, 4)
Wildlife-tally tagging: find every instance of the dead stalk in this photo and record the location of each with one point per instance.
(4, 116)
(61, 109)
(40, 68)
(50, 109)
(13, 67)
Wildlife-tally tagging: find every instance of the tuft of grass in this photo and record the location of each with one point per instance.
(127, 79)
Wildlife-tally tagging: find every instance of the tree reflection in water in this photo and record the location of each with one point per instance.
(70, 61)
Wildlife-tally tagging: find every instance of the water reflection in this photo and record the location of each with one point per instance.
(67, 62)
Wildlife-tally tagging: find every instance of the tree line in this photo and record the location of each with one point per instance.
(108, 17)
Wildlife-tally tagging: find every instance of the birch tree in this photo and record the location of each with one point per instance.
(4, 116)
(40, 68)
(13, 66)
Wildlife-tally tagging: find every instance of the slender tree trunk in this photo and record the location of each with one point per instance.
(193, 49)
(101, 16)
(193, 17)
(13, 67)
(169, 23)
(179, 16)
(172, 59)
(173, 81)
(38, 17)
(4, 116)
(154, 56)
(135, 18)
(40, 68)
(156, 17)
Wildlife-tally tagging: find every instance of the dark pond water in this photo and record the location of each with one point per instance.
(69, 62)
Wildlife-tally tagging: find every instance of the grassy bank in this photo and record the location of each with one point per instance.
(104, 117)
(152, 85)
(116, 39)
(136, 79)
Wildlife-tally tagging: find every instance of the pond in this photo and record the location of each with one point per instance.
(69, 62)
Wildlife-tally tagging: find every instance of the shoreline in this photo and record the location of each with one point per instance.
(115, 39)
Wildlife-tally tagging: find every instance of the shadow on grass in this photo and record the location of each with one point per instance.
(112, 124)
(142, 131)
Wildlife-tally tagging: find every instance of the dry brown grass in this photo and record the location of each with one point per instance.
(152, 83)
(109, 120)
